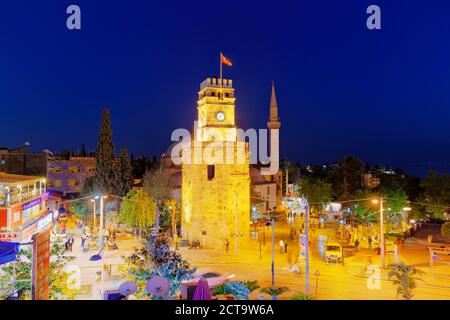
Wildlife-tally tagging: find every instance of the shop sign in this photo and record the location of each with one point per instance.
(30, 204)
(44, 222)
(9, 236)
(41, 265)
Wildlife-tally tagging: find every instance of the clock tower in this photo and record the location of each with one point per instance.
(215, 105)
(216, 187)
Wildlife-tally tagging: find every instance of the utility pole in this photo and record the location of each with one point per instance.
(382, 233)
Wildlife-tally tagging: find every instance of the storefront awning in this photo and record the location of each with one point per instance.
(8, 251)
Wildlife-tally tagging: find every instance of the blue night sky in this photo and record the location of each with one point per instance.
(342, 89)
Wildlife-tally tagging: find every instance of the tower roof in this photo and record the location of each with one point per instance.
(274, 121)
(273, 98)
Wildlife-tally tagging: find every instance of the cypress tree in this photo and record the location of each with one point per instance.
(123, 174)
(105, 155)
(83, 151)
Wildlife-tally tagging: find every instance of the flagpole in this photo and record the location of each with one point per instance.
(220, 70)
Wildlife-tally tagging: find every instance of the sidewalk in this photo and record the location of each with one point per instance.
(89, 280)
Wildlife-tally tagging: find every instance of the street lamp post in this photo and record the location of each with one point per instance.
(273, 251)
(102, 246)
(94, 222)
(317, 274)
(236, 231)
(382, 232)
(382, 253)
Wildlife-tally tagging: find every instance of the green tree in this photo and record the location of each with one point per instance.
(156, 258)
(90, 187)
(317, 191)
(365, 212)
(348, 177)
(123, 174)
(60, 284)
(80, 209)
(158, 183)
(105, 155)
(405, 278)
(396, 200)
(138, 209)
(445, 230)
(436, 193)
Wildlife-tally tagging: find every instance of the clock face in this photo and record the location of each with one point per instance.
(220, 116)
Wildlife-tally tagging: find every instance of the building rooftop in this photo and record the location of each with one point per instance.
(215, 82)
(6, 178)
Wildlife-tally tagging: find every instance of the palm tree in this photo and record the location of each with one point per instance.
(404, 278)
(274, 292)
(301, 296)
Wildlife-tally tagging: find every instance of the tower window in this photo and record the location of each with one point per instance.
(211, 171)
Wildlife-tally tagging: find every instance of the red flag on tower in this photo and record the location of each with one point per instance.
(225, 60)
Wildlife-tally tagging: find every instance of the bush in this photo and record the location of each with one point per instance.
(302, 296)
(251, 285)
(238, 289)
(274, 291)
(445, 230)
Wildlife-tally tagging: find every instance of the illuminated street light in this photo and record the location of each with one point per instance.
(94, 222)
(380, 201)
(100, 254)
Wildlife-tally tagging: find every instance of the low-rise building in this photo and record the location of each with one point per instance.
(370, 180)
(69, 176)
(22, 161)
(23, 206)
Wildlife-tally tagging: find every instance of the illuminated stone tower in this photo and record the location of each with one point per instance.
(274, 121)
(216, 184)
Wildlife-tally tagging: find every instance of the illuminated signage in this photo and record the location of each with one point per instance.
(31, 204)
(44, 222)
(41, 266)
(9, 237)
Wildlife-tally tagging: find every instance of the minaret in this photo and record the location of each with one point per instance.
(274, 121)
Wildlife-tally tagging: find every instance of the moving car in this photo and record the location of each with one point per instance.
(334, 252)
(214, 279)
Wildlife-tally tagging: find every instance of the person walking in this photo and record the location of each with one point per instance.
(226, 245)
(83, 240)
(369, 240)
(281, 246)
(66, 244)
(285, 247)
(356, 245)
(71, 241)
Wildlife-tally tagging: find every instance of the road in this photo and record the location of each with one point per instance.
(353, 280)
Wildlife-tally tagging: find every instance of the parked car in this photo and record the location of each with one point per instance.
(334, 252)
